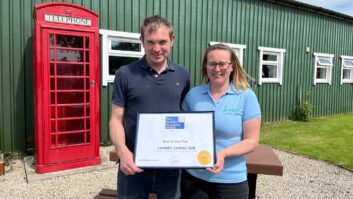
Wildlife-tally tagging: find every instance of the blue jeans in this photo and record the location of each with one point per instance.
(162, 182)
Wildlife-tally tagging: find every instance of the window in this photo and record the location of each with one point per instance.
(271, 65)
(238, 49)
(118, 49)
(347, 69)
(323, 68)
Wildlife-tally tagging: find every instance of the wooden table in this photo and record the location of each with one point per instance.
(260, 161)
(2, 167)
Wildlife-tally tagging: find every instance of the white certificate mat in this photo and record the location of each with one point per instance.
(175, 140)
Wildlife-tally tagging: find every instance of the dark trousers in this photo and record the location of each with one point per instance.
(195, 188)
(162, 182)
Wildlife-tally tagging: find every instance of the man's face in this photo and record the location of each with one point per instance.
(157, 45)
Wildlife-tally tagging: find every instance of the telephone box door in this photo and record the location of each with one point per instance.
(71, 95)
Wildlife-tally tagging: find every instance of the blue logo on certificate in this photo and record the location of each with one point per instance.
(174, 122)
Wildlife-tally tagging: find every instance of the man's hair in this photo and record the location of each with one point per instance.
(152, 23)
(237, 76)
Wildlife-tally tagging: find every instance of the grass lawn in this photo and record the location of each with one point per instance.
(326, 138)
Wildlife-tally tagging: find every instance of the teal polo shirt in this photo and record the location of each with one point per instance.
(231, 110)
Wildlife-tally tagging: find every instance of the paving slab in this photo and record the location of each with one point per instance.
(32, 176)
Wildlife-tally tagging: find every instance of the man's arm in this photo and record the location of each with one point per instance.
(117, 136)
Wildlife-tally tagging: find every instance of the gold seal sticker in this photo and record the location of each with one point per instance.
(204, 157)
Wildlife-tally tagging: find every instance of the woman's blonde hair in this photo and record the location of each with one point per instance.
(237, 76)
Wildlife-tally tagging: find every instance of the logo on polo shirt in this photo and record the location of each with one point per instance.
(174, 122)
(231, 111)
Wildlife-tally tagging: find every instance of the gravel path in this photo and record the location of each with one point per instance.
(303, 178)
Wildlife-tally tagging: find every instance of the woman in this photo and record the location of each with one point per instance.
(237, 126)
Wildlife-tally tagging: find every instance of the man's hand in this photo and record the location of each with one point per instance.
(126, 164)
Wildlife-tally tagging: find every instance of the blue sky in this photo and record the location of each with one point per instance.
(342, 6)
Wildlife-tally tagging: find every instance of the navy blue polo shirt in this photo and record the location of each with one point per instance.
(138, 88)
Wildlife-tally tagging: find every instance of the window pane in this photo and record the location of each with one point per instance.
(116, 62)
(347, 73)
(269, 71)
(324, 61)
(127, 46)
(321, 73)
(348, 63)
(269, 57)
(69, 41)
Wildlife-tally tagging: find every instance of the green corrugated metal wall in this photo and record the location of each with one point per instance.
(252, 23)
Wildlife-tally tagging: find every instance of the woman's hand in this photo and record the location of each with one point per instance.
(219, 166)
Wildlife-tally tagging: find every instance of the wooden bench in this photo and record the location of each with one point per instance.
(261, 161)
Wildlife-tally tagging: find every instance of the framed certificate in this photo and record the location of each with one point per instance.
(175, 140)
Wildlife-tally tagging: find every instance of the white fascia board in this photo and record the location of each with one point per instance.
(323, 55)
(280, 50)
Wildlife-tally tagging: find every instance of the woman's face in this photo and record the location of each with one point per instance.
(218, 67)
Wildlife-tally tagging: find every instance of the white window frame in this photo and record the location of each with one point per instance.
(328, 68)
(107, 37)
(237, 48)
(279, 52)
(343, 66)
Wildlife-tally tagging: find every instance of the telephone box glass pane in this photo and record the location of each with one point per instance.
(69, 41)
(71, 125)
(70, 97)
(70, 139)
(69, 69)
(70, 111)
(51, 54)
(87, 83)
(52, 69)
(87, 97)
(52, 126)
(88, 137)
(88, 124)
(53, 140)
(69, 55)
(87, 42)
(69, 83)
(52, 83)
(52, 98)
(87, 69)
(51, 39)
(87, 55)
(52, 112)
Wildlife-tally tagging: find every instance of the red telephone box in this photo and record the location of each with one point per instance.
(66, 87)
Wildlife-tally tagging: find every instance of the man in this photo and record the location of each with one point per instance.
(152, 84)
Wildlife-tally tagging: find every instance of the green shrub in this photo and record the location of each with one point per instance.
(303, 110)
